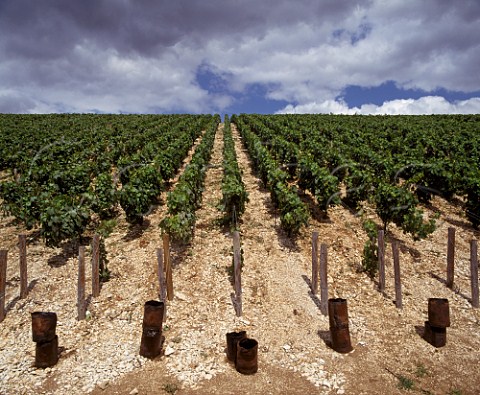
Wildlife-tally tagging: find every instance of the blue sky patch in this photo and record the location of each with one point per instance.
(252, 100)
(356, 96)
(210, 81)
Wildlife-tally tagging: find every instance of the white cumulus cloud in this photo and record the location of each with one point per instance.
(422, 106)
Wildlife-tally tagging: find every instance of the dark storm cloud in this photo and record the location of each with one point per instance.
(50, 28)
(18, 105)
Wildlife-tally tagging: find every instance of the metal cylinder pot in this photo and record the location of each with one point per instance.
(338, 319)
(151, 343)
(46, 353)
(232, 340)
(44, 325)
(247, 356)
(153, 314)
(437, 337)
(438, 312)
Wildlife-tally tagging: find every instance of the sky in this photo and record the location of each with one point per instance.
(232, 56)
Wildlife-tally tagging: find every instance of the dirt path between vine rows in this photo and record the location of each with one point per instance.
(94, 351)
(202, 312)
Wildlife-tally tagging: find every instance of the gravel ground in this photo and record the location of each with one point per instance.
(101, 354)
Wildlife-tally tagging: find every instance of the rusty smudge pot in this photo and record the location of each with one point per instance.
(232, 340)
(46, 353)
(247, 356)
(438, 321)
(153, 314)
(338, 319)
(437, 337)
(438, 312)
(151, 343)
(44, 325)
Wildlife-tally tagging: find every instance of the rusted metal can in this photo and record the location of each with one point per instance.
(46, 353)
(338, 319)
(44, 325)
(232, 340)
(151, 343)
(247, 356)
(153, 314)
(341, 340)
(338, 313)
(437, 337)
(438, 312)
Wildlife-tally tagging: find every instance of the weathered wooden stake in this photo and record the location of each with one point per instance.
(81, 284)
(96, 266)
(22, 246)
(396, 270)
(162, 295)
(237, 267)
(474, 272)
(161, 276)
(315, 263)
(323, 279)
(167, 265)
(450, 257)
(381, 261)
(3, 282)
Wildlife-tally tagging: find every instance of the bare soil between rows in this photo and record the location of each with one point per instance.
(279, 310)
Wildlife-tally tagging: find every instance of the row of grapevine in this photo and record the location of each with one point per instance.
(185, 199)
(65, 173)
(234, 195)
(293, 212)
(392, 162)
(143, 172)
(299, 164)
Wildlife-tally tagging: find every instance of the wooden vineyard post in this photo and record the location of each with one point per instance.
(168, 265)
(3, 282)
(450, 257)
(315, 263)
(96, 266)
(81, 284)
(396, 269)
(22, 246)
(162, 294)
(237, 267)
(381, 261)
(323, 279)
(474, 272)
(161, 276)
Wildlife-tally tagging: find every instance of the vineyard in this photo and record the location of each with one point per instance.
(276, 179)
